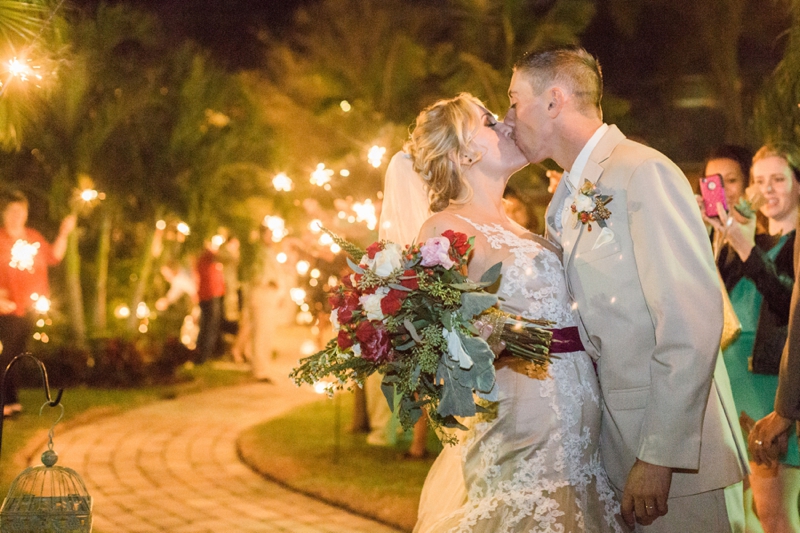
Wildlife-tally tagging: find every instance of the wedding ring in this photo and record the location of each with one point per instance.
(759, 443)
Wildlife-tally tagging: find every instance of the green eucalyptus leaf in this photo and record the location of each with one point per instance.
(475, 303)
(388, 392)
(357, 269)
(483, 359)
(491, 276)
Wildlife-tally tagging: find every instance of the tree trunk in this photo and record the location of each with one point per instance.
(360, 419)
(74, 291)
(101, 285)
(152, 249)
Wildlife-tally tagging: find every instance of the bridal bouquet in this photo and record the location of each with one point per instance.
(413, 315)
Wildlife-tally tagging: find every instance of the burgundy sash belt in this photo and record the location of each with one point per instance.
(566, 340)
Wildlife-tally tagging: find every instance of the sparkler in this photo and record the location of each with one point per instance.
(87, 195)
(321, 176)
(278, 227)
(282, 182)
(41, 303)
(23, 255)
(365, 212)
(375, 155)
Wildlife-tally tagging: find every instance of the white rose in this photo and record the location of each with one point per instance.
(335, 320)
(372, 303)
(356, 349)
(388, 260)
(584, 203)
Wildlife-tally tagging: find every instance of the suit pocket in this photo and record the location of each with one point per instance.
(606, 250)
(626, 399)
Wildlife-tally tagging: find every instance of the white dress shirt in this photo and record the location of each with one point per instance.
(572, 178)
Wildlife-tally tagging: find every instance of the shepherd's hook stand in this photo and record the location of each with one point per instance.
(45, 383)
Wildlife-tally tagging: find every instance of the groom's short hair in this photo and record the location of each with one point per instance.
(569, 65)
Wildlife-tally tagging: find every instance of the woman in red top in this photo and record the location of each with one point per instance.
(24, 258)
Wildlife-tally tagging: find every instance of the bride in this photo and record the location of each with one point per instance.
(531, 464)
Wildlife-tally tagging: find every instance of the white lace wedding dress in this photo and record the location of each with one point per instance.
(533, 464)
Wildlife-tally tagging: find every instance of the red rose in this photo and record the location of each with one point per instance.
(391, 303)
(335, 300)
(375, 342)
(357, 278)
(347, 282)
(345, 315)
(351, 300)
(412, 282)
(365, 331)
(458, 240)
(373, 249)
(344, 340)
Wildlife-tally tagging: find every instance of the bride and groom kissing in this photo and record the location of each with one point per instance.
(632, 427)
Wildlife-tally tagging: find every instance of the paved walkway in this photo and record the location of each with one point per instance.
(172, 467)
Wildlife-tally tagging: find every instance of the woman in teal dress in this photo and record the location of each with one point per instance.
(758, 271)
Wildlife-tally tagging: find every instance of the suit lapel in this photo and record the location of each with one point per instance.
(592, 172)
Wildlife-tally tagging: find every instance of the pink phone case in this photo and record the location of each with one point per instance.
(713, 193)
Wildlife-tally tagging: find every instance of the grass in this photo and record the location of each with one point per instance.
(299, 450)
(83, 404)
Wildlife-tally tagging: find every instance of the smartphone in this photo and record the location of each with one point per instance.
(713, 193)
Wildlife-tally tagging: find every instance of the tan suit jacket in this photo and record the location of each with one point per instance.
(787, 401)
(650, 313)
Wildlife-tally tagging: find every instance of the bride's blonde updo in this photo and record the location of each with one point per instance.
(438, 141)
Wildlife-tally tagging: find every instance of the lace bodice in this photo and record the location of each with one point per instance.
(532, 282)
(530, 462)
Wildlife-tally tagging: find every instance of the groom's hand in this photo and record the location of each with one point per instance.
(646, 493)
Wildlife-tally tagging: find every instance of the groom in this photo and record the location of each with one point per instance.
(640, 270)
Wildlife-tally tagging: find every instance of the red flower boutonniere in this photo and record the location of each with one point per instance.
(590, 206)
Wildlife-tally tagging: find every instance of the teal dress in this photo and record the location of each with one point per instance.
(753, 393)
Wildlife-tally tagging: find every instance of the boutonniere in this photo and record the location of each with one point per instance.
(590, 206)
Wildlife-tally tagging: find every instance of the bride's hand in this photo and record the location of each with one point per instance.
(485, 330)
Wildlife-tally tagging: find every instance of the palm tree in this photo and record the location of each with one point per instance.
(777, 113)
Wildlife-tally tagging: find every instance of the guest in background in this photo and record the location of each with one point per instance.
(210, 292)
(24, 258)
(229, 255)
(768, 439)
(181, 283)
(732, 162)
(263, 301)
(758, 271)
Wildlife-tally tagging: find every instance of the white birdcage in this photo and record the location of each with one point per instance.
(47, 499)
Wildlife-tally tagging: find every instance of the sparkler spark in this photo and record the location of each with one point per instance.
(321, 176)
(282, 182)
(23, 255)
(375, 155)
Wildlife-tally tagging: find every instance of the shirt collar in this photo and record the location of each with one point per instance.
(575, 172)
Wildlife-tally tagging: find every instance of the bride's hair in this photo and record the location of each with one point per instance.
(438, 140)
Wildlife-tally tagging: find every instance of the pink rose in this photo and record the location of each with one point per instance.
(436, 251)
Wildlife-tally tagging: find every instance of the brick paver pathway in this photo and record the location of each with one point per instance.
(172, 467)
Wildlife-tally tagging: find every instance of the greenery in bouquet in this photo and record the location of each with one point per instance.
(410, 313)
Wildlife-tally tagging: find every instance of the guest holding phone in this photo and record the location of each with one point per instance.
(758, 271)
(732, 163)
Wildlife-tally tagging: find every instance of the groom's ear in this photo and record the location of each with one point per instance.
(555, 101)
